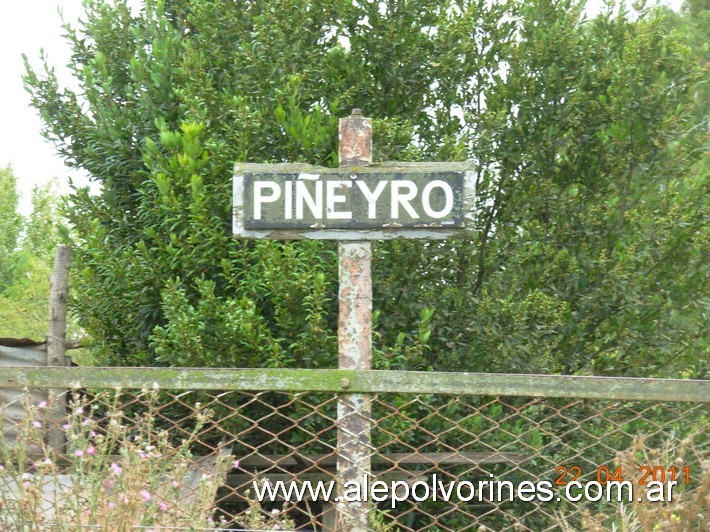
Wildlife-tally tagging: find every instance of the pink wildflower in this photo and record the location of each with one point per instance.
(110, 483)
(78, 452)
(176, 484)
(146, 495)
(111, 504)
(42, 404)
(66, 426)
(91, 451)
(37, 424)
(163, 506)
(116, 468)
(235, 465)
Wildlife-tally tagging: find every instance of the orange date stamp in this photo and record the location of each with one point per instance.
(642, 476)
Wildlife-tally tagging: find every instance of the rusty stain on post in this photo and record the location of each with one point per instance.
(354, 339)
(355, 147)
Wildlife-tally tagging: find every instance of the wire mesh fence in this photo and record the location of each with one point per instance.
(438, 460)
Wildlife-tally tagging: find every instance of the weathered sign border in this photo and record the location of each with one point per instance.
(426, 232)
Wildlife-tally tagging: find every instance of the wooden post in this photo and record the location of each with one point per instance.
(56, 341)
(354, 340)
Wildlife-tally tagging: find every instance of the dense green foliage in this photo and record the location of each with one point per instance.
(26, 247)
(10, 224)
(589, 139)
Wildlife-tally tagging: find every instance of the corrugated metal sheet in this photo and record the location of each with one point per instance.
(19, 352)
(24, 352)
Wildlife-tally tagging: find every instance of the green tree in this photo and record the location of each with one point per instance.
(41, 227)
(586, 137)
(593, 235)
(10, 225)
(26, 260)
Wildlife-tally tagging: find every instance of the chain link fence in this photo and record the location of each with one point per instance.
(459, 452)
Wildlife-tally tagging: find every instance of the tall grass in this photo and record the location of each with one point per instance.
(117, 474)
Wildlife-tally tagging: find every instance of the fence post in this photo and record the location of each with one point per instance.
(354, 339)
(56, 340)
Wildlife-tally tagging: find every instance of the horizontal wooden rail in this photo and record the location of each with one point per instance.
(336, 380)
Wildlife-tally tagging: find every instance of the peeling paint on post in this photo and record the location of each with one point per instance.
(355, 146)
(354, 339)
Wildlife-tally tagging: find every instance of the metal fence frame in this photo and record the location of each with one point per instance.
(368, 382)
(360, 381)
